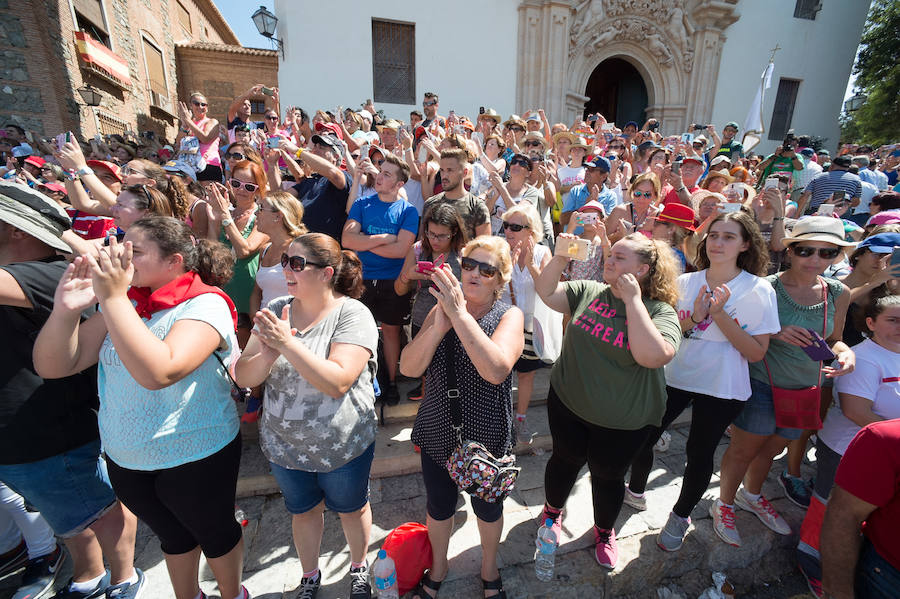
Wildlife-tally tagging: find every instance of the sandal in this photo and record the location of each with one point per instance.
(494, 585)
(426, 582)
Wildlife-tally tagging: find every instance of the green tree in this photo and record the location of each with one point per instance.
(878, 75)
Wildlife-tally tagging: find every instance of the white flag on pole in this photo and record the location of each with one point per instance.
(753, 124)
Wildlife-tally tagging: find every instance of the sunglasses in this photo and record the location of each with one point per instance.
(297, 263)
(487, 270)
(521, 162)
(804, 251)
(515, 228)
(235, 156)
(431, 103)
(200, 104)
(251, 187)
(517, 129)
(619, 148)
(533, 144)
(642, 194)
(271, 118)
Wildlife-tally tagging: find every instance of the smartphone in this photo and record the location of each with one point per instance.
(576, 249)
(771, 183)
(60, 141)
(269, 91)
(481, 110)
(452, 113)
(676, 164)
(734, 192)
(687, 138)
(607, 126)
(818, 350)
(731, 207)
(425, 267)
(423, 154)
(825, 210)
(272, 143)
(587, 218)
(838, 196)
(363, 153)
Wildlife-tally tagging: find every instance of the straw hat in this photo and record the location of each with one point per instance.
(818, 228)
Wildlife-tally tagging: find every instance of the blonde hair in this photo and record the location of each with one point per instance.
(291, 211)
(647, 176)
(527, 210)
(499, 248)
(661, 282)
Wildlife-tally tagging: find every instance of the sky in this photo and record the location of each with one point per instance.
(237, 14)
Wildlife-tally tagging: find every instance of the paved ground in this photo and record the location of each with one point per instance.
(762, 568)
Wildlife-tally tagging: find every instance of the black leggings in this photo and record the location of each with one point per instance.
(188, 505)
(709, 419)
(608, 453)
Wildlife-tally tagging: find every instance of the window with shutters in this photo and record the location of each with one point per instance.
(156, 75)
(258, 106)
(394, 62)
(90, 18)
(184, 17)
(784, 108)
(807, 9)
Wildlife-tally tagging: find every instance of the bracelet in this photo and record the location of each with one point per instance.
(227, 221)
(692, 319)
(299, 151)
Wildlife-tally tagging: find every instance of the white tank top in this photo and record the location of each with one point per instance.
(271, 281)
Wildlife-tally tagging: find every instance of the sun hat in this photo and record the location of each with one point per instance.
(677, 214)
(514, 120)
(536, 136)
(34, 213)
(818, 228)
(564, 135)
(491, 114)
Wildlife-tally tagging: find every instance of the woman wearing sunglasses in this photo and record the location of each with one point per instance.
(316, 352)
(196, 123)
(607, 389)
(638, 214)
(524, 231)
(806, 301)
(235, 226)
(483, 336)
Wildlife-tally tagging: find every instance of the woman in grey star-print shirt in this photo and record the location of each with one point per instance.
(315, 350)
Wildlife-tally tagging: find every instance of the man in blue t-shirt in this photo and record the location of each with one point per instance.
(381, 228)
(593, 189)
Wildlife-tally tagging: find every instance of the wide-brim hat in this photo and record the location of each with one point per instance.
(514, 120)
(564, 135)
(389, 124)
(34, 213)
(492, 114)
(719, 175)
(536, 136)
(818, 228)
(580, 142)
(677, 214)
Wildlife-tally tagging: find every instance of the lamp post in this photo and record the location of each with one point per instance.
(855, 103)
(92, 99)
(265, 23)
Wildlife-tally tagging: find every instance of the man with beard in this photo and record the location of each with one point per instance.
(430, 107)
(472, 209)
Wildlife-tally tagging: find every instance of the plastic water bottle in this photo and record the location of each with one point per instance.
(545, 554)
(240, 516)
(385, 576)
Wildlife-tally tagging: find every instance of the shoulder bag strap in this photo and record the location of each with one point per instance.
(512, 293)
(452, 387)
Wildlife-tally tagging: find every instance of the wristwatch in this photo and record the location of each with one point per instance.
(227, 221)
(84, 171)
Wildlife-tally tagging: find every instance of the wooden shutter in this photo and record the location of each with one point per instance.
(91, 10)
(184, 17)
(784, 108)
(155, 71)
(394, 62)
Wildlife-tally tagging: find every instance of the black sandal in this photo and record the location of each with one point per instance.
(426, 581)
(494, 585)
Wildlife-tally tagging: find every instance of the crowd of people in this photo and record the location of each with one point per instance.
(289, 271)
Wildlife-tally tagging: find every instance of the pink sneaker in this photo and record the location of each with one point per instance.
(606, 552)
(557, 522)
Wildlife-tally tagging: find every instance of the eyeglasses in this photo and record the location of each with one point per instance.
(642, 194)
(271, 118)
(297, 263)
(487, 270)
(534, 144)
(514, 227)
(200, 104)
(804, 251)
(520, 162)
(235, 156)
(236, 184)
(517, 129)
(438, 236)
(127, 170)
(429, 103)
(265, 208)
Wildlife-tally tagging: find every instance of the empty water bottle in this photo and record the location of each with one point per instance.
(545, 553)
(240, 516)
(385, 576)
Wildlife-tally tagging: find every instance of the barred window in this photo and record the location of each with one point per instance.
(394, 62)
(784, 108)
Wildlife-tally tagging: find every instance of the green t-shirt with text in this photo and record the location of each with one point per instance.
(596, 376)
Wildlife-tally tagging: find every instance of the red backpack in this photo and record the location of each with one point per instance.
(409, 547)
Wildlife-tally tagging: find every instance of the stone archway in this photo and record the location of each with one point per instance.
(617, 91)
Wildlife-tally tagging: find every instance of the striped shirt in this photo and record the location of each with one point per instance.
(824, 185)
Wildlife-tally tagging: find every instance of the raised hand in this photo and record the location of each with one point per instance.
(719, 298)
(272, 331)
(112, 270)
(448, 293)
(628, 286)
(75, 291)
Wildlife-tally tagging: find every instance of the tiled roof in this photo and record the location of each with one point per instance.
(212, 47)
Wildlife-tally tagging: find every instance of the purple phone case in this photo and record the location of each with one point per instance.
(818, 350)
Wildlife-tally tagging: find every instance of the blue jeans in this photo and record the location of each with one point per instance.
(875, 577)
(70, 490)
(344, 489)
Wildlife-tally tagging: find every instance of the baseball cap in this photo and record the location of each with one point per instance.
(842, 160)
(600, 162)
(808, 152)
(533, 117)
(59, 187)
(330, 141)
(113, 168)
(823, 153)
(883, 243)
(179, 166)
(593, 205)
(631, 124)
(696, 159)
(732, 124)
(718, 160)
(34, 213)
(35, 161)
(330, 128)
(886, 217)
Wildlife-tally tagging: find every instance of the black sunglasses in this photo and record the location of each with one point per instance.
(235, 156)
(533, 143)
(521, 162)
(514, 227)
(517, 129)
(804, 251)
(297, 263)
(271, 118)
(487, 270)
(201, 104)
(429, 103)
(251, 187)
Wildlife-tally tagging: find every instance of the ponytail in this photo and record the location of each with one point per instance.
(348, 278)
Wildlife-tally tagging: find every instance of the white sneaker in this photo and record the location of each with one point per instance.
(723, 523)
(764, 511)
(638, 502)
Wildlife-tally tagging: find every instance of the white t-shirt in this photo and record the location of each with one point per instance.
(706, 361)
(523, 285)
(571, 176)
(876, 378)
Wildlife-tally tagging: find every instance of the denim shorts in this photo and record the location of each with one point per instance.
(70, 490)
(345, 489)
(758, 415)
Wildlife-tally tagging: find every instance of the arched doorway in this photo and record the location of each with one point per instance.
(617, 91)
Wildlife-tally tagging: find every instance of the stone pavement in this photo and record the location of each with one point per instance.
(272, 570)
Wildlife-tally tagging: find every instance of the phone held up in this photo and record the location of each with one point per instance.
(574, 248)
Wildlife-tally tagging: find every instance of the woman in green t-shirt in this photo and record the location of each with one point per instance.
(608, 388)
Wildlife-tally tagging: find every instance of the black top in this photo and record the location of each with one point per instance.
(251, 124)
(38, 418)
(324, 205)
(486, 408)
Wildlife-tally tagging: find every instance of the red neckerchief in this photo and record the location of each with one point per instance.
(174, 292)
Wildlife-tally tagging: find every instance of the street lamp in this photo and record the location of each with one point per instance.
(90, 95)
(855, 103)
(265, 23)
